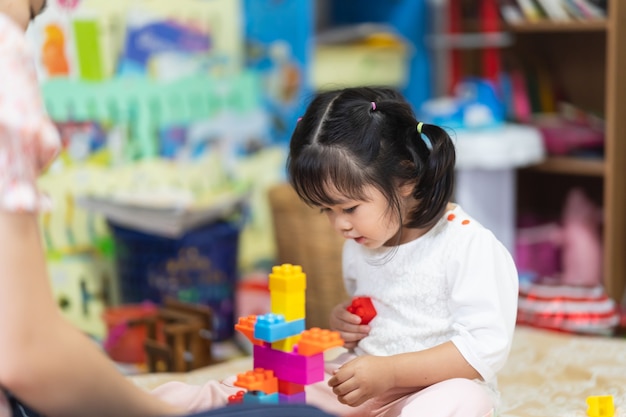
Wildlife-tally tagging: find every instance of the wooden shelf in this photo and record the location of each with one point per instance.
(586, 61)
(571, 166)
(551, 26)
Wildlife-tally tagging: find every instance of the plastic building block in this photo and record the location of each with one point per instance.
(258, 380)
(286, 357)
(259, 397)
(245, 326)
(290, 367)
(289, 388)
(364, 308)
(287, 278)
(316, 340)
(236, 398)
(289, 304)
(600, 406)
(273, 327)
(286, 345)
(298, 398)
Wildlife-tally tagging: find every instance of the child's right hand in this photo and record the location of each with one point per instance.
(348, 325)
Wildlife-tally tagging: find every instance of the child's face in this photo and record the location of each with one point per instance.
(370, 222)
(22, 11)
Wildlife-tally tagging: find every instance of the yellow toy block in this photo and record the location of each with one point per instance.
(600, 406)
(292, 305)
(287, 278)
(286, 345)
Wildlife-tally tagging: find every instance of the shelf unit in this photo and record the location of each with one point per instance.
(586, 59)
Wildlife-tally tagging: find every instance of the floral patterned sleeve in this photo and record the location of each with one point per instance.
(29, 141)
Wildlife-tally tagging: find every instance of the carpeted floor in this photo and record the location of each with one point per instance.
(549, 374)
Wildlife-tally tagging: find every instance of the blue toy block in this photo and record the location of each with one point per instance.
(259, 397)
(288, 366)
(273, 327)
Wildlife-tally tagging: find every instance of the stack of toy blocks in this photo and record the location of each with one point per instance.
(286, 356)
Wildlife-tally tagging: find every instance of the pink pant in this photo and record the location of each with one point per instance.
(452, 398)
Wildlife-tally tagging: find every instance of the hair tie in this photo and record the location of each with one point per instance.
(373, 105)
(419, 127)
(299, 118)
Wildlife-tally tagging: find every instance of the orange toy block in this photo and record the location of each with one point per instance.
(258, 380)
(245, 326)
(316, 340)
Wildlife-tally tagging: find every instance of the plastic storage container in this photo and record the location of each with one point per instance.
(198, 267)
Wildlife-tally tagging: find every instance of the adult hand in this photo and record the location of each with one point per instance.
(348, 325)
(362, 378)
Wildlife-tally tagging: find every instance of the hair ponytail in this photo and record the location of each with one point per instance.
(436, 181)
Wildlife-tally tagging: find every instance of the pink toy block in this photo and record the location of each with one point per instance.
(364, 308)
(290, 367)
(316, 340)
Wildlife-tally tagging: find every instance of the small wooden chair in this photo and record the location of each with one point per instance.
(179, 337)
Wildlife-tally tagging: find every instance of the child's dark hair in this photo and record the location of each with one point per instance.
(355, 137)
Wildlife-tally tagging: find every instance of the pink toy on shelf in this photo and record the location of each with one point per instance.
(364, 308)
(568, 252)
(562, 136)
(581, 241)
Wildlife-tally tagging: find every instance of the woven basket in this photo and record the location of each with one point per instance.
(305, 237)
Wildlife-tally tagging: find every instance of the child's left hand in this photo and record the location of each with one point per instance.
(361, 379)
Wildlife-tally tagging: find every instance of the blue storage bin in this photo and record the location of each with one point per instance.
(198, 267)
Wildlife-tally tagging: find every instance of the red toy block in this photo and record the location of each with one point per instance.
(316, 340)
(258, 380)
(362, 307)
(289, 388)
(237, 398)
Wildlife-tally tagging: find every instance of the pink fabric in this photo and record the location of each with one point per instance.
(5, 411)
(451, 398)
(28, 139)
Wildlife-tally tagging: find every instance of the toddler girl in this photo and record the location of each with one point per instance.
(444, 288)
